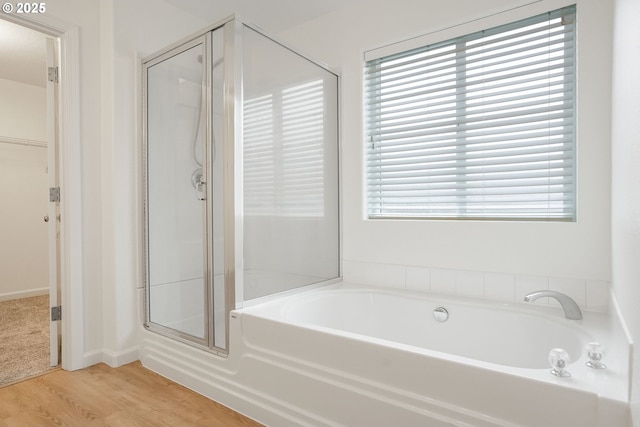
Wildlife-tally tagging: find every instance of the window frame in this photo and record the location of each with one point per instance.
(386, 57)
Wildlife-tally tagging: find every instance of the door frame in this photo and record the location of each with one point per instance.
(70, 179)
(52, 62)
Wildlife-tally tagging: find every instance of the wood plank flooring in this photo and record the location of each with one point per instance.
(102, 396)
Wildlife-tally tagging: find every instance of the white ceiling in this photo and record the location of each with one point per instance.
(22, 54)
(23, 51)
(272, 15)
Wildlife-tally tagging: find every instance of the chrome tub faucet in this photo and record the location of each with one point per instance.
(571, 309)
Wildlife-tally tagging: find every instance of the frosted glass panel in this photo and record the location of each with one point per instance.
(175, 206)
(290, 169)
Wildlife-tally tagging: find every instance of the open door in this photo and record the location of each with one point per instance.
(53, 216)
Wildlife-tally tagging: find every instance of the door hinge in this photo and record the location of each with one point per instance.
(53, 74)
(56, 313)
(54, 194)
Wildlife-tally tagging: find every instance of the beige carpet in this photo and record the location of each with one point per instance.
(24, 338)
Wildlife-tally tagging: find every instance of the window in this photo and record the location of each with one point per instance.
(478, 127)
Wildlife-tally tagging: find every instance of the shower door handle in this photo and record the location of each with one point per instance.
(200, 190)
(198, 184)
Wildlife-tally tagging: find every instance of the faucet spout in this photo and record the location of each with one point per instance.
(571, 309)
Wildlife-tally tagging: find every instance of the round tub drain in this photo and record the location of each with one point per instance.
(441, 314)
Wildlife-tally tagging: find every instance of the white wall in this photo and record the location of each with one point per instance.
(23, 110)
(23, 191)
(24, 262)
(626, 174)
(571, 250)
(129, 31)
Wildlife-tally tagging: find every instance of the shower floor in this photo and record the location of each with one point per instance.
(24, 338)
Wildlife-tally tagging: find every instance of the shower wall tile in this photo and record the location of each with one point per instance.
(418, 279)
(174, 302)
(469, 283)
(575, 288)
(591, 295)
(443, 281)
(353, 271)
(500, 286)
(388, 275)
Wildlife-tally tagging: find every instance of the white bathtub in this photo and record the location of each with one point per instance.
(355, 356)
(497, 334)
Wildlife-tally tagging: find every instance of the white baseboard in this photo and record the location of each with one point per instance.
(115, 359)
(111, 358)
(91, 358)
(24, 294)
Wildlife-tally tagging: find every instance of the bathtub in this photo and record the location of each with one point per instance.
(358, 356)
(470, 331)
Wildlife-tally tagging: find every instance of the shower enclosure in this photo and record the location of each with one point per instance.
(241, 178)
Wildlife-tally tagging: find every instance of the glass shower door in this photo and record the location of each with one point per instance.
(176, 156)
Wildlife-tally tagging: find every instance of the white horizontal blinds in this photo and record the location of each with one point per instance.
(283, 152)
(258, 151)
(302, 145)
(481, 126)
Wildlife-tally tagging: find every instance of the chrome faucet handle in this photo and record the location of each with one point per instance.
(595, 353)
(559, 359)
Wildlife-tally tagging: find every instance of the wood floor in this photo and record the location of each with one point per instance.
(102, 396)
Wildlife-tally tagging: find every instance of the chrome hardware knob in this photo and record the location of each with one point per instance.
(559, 359)
(46, 218)
(595, 352)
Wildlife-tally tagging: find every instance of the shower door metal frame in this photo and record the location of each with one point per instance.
(206, 102)
(233, 169)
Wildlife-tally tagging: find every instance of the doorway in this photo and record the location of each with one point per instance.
(29, 249)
